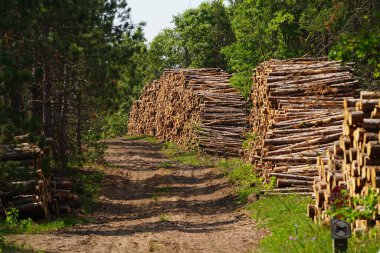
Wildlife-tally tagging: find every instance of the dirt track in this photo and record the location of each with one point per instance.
(150, 204)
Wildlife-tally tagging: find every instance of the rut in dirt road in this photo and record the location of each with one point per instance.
(151, 204)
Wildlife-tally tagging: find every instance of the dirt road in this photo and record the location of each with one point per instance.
(150, 204)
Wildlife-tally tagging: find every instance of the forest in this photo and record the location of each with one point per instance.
(71, 71)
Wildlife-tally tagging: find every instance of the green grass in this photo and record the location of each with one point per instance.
(187, 157)
(164, 190)
(146, 138)
(18, 226)
(166, 165)
(164, 217)
(243, 177)
(292, 231)
(30, 227)
(9, 247)
(87, 184)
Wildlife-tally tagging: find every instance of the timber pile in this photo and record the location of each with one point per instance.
(296, 115)
(26, 180)
(352, 163)
(194, 108)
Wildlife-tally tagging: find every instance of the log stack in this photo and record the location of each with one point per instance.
(193, 108)
(25, 186)
(26, 180)
(296, 115)
(352, 163)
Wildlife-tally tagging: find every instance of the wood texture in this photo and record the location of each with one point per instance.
(196, 108)
(352, 162)
(296, 114)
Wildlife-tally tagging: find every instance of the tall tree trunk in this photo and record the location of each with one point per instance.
(48, 99)
(79, 121)
(36, 106)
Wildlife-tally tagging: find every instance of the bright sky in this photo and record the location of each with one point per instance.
(158, 13)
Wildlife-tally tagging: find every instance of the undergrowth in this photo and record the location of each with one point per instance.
(146, 138)
(13, 224)
(9, 247)
(292, 231)
(243, 177)
(187, 157)
(87, 184)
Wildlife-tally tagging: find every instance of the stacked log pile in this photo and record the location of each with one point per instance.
(352, 163)
(296, 115)
(25, 187)
(26, 180)
(194, 108)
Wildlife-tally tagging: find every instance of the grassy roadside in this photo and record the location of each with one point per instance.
(87, 185)
(285, 216)
(8, 247)
(292, 231)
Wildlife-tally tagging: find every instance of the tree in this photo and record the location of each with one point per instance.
(59, 67)
(263, 30)
(195, 41)
(203, 32)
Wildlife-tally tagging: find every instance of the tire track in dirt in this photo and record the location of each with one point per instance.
(145, 208)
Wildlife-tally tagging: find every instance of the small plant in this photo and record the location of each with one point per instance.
(165, 165)
(244, 177)
(146, 138)
(12, 217)
(187, 157)
(164, 218)
(250, 139)
(164, 190)
(88, 186)
(154, 197)
(366, 206)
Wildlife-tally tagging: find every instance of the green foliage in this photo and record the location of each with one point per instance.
(244, 177)
(146, 138)
(297, 232)
(65, 66)
(8, 247)
(243, 82)
(187, 157)
(195, 41)
(203, 32)
(116, 124)
(14, 225)
(362, 48)
(93, 150)
(366, 207)
(87, 183)
(165, 52)
(250, 138)
(164, 218)
(263, 30)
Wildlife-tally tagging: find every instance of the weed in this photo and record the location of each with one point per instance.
(88, 186)
(154, 197)
(14, 225)
(297, 232)
(250, 139)
(166, 165)
(146, 138)
(11, 247)
(164, 190)
(243, 176)
(366, 207)
(187, 157)
(164, 217)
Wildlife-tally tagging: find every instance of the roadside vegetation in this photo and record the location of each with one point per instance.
(291, 231)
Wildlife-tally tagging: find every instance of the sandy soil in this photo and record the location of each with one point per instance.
(150, 204)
